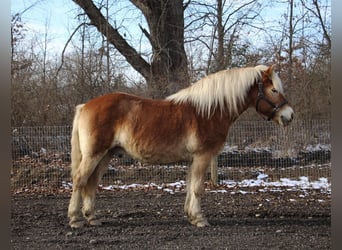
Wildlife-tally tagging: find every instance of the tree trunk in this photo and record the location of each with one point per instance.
(169, 65)
(220, 33)
(168, 71)
(290, 49)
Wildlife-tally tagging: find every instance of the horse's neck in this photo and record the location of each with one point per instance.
(231, 117)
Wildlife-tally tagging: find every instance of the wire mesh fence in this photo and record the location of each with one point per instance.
(41, 156)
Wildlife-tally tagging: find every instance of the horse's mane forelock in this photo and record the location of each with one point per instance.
(226, 88)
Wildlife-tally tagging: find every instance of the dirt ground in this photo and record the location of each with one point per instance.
(154, 220)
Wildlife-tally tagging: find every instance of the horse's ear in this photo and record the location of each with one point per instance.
(269, 70)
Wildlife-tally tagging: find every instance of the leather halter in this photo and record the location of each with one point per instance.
(261, 96)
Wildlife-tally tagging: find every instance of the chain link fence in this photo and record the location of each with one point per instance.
(41, 156)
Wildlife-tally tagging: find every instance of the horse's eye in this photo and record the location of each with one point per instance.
(274, 91)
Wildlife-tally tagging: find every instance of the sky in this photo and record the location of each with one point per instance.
(57, 17)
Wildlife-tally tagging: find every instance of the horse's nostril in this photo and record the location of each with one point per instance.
(282, 118)
(285, 120)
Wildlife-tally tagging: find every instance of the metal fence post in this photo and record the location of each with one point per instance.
(213, 171)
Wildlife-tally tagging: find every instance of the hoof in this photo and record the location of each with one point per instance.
(199, 222)
(202, 224)
(76, 224)
(95, 222)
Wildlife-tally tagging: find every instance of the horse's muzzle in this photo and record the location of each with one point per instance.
(285, 116)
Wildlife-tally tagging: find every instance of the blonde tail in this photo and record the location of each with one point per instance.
(76, 155)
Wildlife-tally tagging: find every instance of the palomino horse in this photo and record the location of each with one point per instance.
(190, 125)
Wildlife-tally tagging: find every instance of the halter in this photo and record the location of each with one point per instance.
(261, 96)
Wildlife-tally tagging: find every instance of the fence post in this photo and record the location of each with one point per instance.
(213, 171)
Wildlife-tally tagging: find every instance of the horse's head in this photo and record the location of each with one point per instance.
(269, 99)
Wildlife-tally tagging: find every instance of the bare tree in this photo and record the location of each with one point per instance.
(316, 9)
(17, 35)
(225, 20)
(167, 71)
(304, 57)
(290, 46)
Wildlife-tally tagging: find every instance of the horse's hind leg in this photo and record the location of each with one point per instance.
(80, 178)
(74, 210)
(89, 191)
(196, 176)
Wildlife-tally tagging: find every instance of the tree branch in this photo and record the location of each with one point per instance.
(325, 32)
(114, 37)
(148, 36)
(66, 45)
(318, 15)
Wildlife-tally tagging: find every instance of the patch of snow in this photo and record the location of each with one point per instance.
(292, 185)
(219, 191)
(228, 148)
(168, 190)
(43, 151)
(257, 150)
(170, 187)
(66, 185)
(235, 149)
(262, 176)
(284, 184)
(318, 147)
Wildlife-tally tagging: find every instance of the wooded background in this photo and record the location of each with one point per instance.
(153, 48)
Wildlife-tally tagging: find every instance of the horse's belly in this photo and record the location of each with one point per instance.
(154, 149)
(160, 155)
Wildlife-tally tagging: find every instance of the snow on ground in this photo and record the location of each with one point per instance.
(322, 184)
(308, 148)
(318, 147)
(261, 182)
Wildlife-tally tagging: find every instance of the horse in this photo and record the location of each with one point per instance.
(190, 125)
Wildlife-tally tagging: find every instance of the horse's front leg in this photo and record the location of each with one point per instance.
(196, 177)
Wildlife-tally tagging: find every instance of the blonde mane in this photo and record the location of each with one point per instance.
(226, 88)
